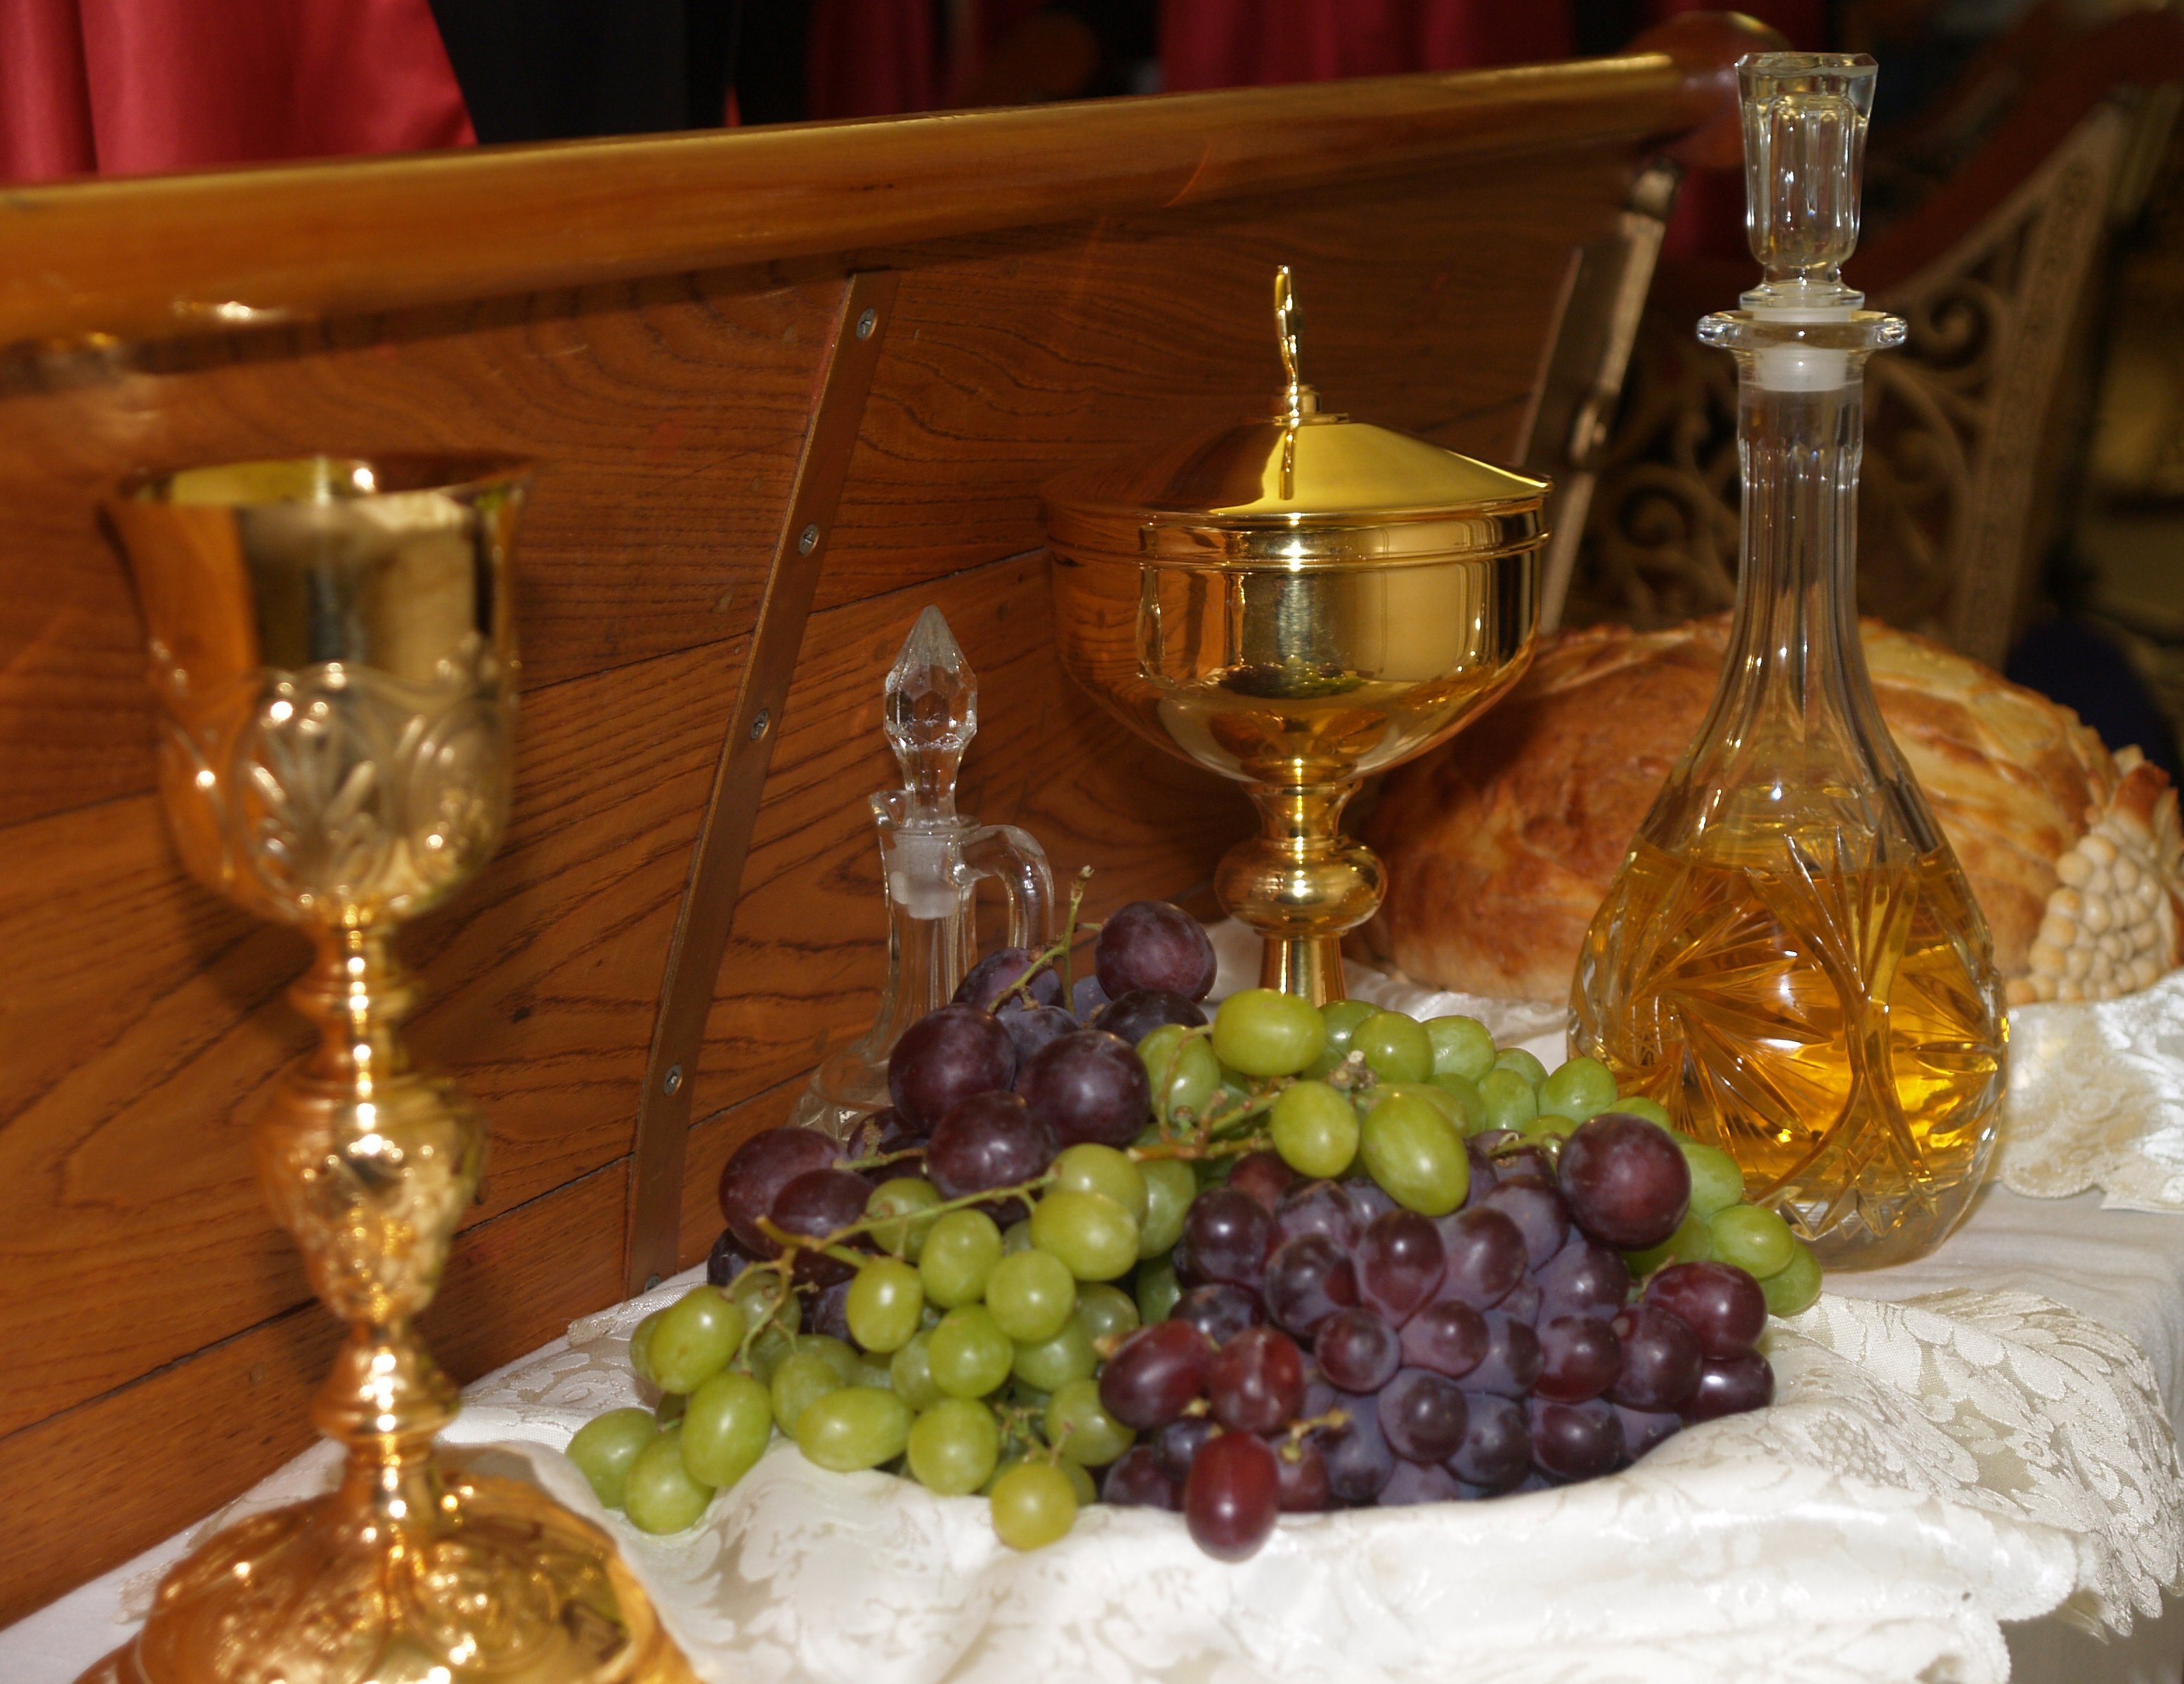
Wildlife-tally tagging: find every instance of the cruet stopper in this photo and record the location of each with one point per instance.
(932, 715)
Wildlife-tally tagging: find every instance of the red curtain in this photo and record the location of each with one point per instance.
(1238, 44)
(130, 86)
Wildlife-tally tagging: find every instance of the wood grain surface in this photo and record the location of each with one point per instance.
(1086, 279)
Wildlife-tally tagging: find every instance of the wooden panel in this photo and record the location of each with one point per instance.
(665, 419)
(95, 1485)
(137, 1015)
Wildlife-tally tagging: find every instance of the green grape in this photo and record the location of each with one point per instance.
(658, 1494)
(1067, 1356)
(1416, 1155)
(1792, 1287)
(1092, 1234)
(1158, 1291)
(1034, 1504)
(1440, 1098)
(1079, 1481)
(1342, 1018)
(969, 1354)
(960, 1252)
(1024, 1395)
(1172, 1054)
(874, 1371)
(1078, 1425)
(907, 1200)
(1108, 1312)
(696, 1335)
(1692, 1242)
(1507, 1099)
(1462, 1046)
(1653, 1111)
(640, 1343)
(1526, 1064)
(838, 1355)
(758, 1291)
(1016, 1236)
(605, 1445)
(671, 1406)
(802, 1378)
(953, 1447)
(1031, 1295)
(1170, 1185)
(1088, 1168)
(1753, 1238)
(1314, 1128)
(1465, 1092)
(886, 1300)
(1717, 1183)
(1264, 1032)
(1396, 1049)
(1580, 1089)
(855, 1427)
(911, 1369)
(1548, 1126)
(767, 1350)
(725, 1429)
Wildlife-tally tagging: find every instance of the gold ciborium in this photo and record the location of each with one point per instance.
(331, 646)
(1296, 603)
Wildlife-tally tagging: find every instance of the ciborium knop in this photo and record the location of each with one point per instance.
(335, 669)
(1296, 603)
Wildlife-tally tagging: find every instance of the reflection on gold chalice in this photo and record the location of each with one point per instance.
(1296, 603)
(336, 672)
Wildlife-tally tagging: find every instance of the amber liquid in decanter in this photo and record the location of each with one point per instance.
(1790, 959)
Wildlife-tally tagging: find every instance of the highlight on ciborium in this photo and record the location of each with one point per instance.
(335, 666)
(1296, 603)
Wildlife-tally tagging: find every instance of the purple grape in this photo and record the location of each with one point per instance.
(989, 1140)
(1322, 1208)
(817, 1203)
(1575, 1441)
(1264, 1176)
(1414, 1482)
(757, 1172)
(1579, 1359)
(1485, 1176)
(1523, 1303)
(1511, 1365)
(1302, 1466)
(1626, 1181)
(1137, 1013)
(1307, 1280)
(1523, 1161)
(1177, 1442)
(1000, 971)
(1150, 944)
(829, 1311)
(1256, 1382)
(1358, 1460)
(1367, 1198)
(1219, 1312)
(1227, 1232)
(1155, 1374)
(1584, 1278)
(1483, 1253)
(726, 1260)
(1136, 1481)
(1447, 1336)
(1090, 1085)
(1538, 1211)
(1357, 1351)
(1399, 1261)
(1718, 1302)
(1643, 1429)
(1032, 1030)
(885, 1132)
(1730, 1388)
(1423, 1415)
(1232, 1495)
(1496, 1451)
(1086, 996)
(944, 1058)
(1661, 1358)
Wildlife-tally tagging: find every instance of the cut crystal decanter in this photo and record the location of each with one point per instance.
(933, 858)
(1791, 960)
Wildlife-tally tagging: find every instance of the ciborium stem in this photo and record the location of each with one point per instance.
(1302, 885)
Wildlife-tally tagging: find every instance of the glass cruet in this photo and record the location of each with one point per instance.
(1790, 960)
(932, 858)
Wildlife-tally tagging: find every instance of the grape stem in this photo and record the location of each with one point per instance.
(1055, 952)
(880, 1160)
(832, 1243)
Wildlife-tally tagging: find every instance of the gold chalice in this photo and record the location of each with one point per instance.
(331, 645)
(1296, 603)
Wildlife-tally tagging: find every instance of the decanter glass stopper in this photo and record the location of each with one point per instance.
(932, 715)
(1804, 147)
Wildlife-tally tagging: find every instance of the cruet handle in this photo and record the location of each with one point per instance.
(1014, 857)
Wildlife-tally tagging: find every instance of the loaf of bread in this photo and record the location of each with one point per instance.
(1500, 846)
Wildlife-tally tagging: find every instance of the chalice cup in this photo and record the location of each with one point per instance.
(330, 646)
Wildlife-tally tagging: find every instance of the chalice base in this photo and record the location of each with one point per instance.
(504, 1585)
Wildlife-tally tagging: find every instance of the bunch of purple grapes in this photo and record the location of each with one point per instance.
(1330, 1348)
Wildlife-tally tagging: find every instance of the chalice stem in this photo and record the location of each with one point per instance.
(1301, 885)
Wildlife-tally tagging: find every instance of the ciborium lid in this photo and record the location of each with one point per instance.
(1303, 489)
